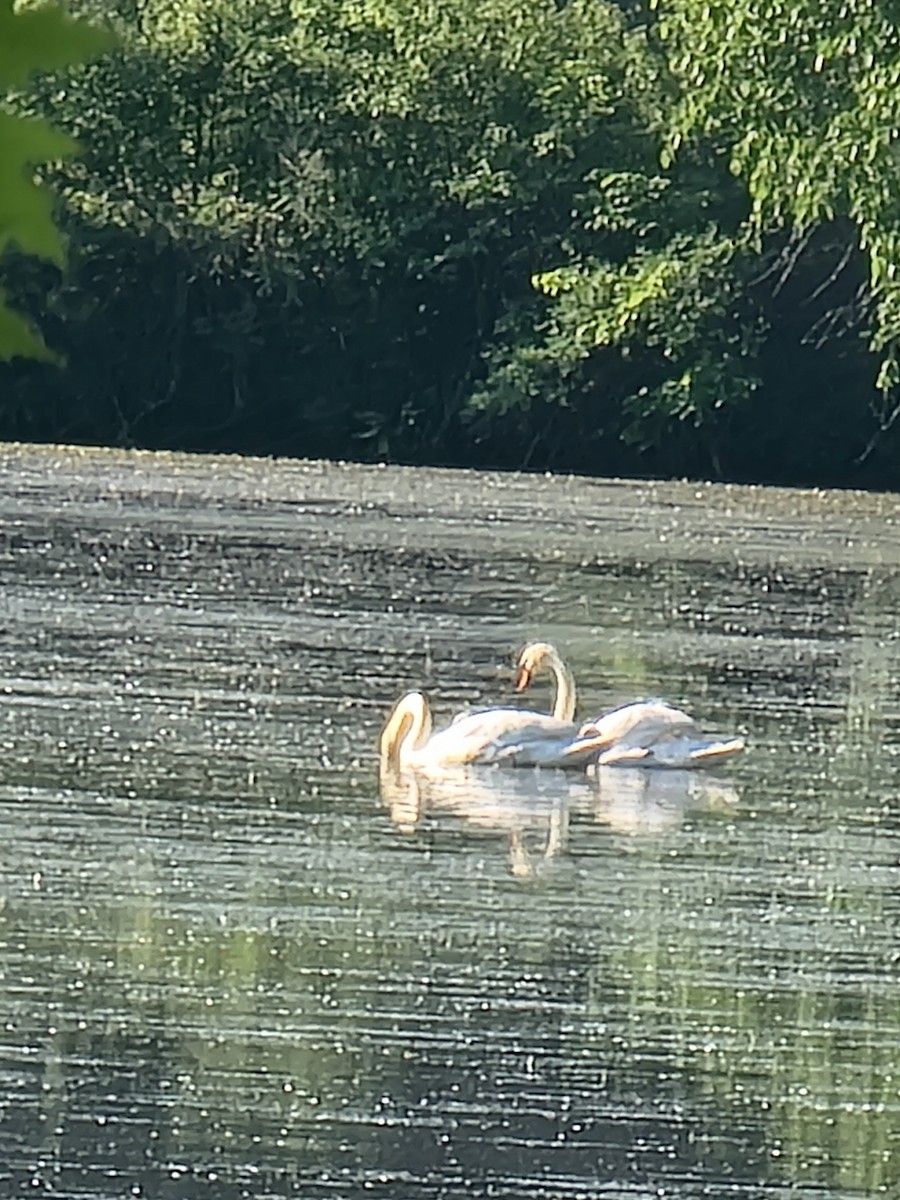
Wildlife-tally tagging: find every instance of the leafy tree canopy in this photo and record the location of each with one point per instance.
(603, 236)
(805, 95)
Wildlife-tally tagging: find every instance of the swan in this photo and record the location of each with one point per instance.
(649, 718)
(509, 736)
(648, 733)
(651, 733)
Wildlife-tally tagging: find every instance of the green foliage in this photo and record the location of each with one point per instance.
(663, 311)
(806, 97)
(31, 41)
(490, 231)
(341, 201)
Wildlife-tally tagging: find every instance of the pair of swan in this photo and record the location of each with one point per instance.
(508, 736)
(642, 733)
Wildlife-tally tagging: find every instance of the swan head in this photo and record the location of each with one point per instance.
(406, 729)
(535, 659)
(539, 657)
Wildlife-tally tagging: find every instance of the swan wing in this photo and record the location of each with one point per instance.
(538, 748)
(640, 723)
(483, 736)
(674, 752)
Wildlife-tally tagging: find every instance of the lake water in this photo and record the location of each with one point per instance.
(232, 967)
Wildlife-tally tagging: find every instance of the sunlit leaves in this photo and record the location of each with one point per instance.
(676, 306)
(45, 38)
(808, 97)
(33, 40)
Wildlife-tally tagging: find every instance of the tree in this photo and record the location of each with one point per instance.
(496, 232)
(805, 98)
(310, 223)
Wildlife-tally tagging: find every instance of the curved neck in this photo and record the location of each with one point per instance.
(566, 697)
(406, 730)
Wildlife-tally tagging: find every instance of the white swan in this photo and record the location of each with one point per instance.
(648, 718)
(509, 736)
(649, 733)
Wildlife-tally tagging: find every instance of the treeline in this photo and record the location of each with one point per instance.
(612, 238)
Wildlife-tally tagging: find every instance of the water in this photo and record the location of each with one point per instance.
(231, 967)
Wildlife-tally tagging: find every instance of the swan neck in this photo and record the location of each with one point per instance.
(406, 731)
(419, 729)
(566, 698)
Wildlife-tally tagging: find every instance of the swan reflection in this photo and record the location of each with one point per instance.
(634, 800)
(531, 808)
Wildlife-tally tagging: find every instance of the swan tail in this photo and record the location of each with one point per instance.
(718, 751)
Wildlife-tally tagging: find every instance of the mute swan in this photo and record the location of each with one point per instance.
(649, 733)
(648, 717)
(500, 735)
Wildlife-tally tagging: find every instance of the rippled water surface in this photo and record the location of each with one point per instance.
(233, 967)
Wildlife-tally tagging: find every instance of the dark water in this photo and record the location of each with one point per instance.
(231, 968)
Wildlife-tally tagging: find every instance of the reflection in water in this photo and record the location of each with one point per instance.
(529, 807)
(532, 808)
(227, 975)
(649, 801)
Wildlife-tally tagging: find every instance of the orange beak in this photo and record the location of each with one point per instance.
(523, 679)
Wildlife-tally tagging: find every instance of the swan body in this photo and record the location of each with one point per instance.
(508, 736)
(673, 751)
(648, 733)
(651, 733)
